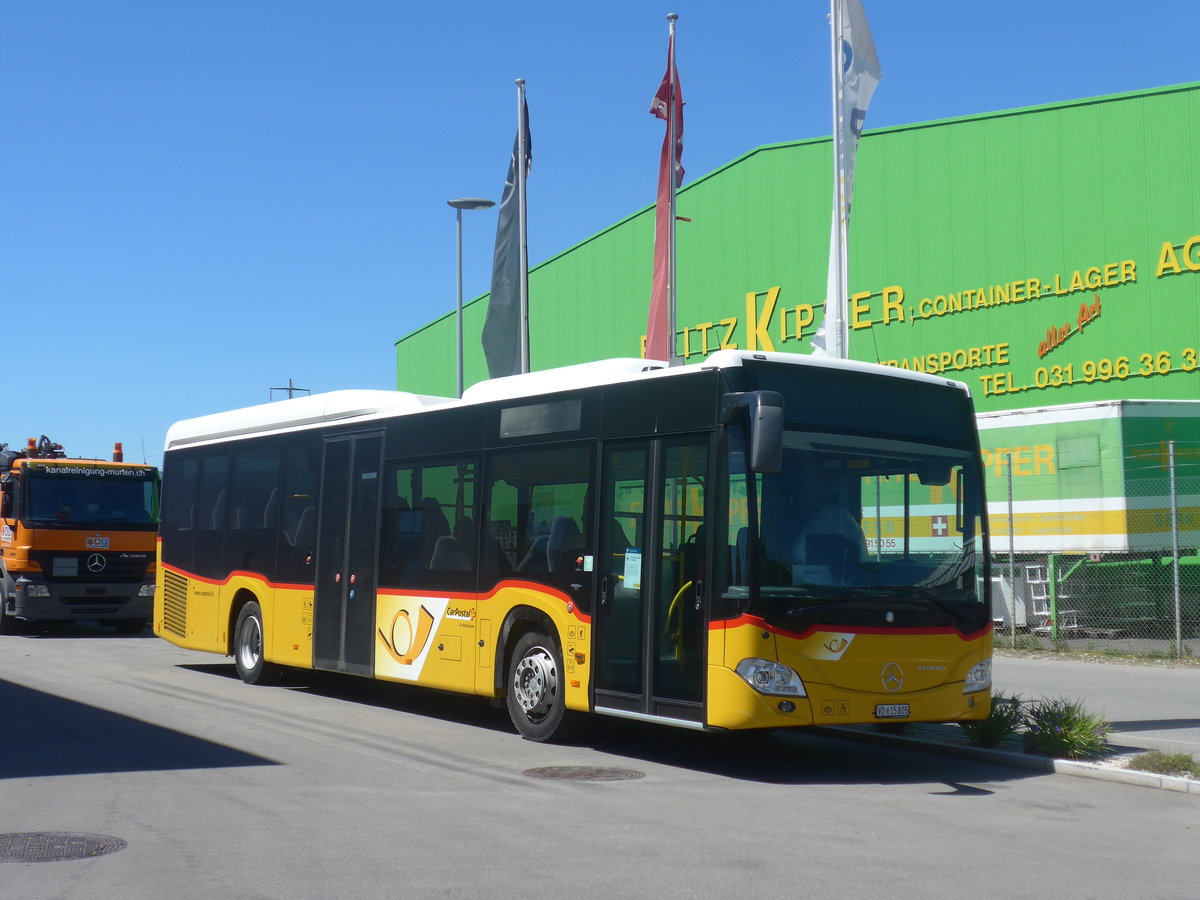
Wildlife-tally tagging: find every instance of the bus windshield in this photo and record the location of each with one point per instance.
(879, 500)
(91, 497)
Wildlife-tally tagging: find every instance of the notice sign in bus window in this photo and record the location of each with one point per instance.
(633, 568)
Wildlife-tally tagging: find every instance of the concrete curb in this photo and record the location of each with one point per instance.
(1019, 760)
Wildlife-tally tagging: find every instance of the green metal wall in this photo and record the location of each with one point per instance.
(1084, 201)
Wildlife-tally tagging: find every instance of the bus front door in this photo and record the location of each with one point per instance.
(650, 630)
(347, 548)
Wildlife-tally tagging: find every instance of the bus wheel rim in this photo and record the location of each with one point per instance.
(250, 643)
(535, 682)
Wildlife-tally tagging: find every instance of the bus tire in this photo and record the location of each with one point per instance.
(252, 666)
(535, 689)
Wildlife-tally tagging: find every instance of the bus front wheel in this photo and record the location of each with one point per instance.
(252, 667)
(535, 689)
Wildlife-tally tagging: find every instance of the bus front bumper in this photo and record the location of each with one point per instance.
(735, 705)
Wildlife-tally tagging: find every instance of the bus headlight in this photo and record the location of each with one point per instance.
(768, 677)
(146, 590)
(37, 590)
(979, 678)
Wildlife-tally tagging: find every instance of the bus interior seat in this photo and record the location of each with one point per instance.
(535, 559)
(305, 530)
(563, 545)
(271, 510)
(449, 555)
(741, 573)
(218, 513)
(434, 525)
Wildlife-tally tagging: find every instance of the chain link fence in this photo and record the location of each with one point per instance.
(1102, 560)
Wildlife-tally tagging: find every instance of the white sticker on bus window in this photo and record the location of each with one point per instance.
(633, 568)
(589, 563)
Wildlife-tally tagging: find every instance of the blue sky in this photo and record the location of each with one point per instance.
(200, 200)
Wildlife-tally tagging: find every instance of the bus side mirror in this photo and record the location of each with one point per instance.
(765, 412)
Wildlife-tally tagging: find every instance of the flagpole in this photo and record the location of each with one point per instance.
(841, 275)
(522, 230)
(673, 358)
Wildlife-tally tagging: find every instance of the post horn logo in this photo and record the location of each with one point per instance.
(408, 641)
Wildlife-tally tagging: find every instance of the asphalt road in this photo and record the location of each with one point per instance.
(1148, 706)
(336, 787)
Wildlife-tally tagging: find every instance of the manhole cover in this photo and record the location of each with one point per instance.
(584, 773)
(53, 846)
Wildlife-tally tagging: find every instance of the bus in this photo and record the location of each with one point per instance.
(763, 540)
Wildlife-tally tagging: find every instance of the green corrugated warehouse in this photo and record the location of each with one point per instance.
(1044, 256)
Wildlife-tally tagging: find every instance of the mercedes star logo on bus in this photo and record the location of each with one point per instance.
(893, 678)
(95, 562)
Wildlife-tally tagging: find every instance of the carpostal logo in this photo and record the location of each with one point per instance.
(463, 615)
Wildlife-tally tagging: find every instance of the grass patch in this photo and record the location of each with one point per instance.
(1177, 764)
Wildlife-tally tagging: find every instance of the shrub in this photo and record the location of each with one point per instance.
(1005, 718)
(1063, 728)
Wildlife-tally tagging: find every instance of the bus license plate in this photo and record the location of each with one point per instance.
(891, 711)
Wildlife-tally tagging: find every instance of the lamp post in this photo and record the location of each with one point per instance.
(459, 205)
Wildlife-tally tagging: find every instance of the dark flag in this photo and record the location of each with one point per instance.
(502, 325)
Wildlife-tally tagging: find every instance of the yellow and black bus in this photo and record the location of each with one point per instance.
(764, 540)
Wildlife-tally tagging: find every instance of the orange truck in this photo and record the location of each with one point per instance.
(77, 538)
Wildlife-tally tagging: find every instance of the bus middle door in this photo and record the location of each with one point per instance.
(347, 551)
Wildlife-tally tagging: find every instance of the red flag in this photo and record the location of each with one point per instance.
(668, 106)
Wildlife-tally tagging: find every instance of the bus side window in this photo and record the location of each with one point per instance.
(297, 534)
(538, 518)
(428, 542)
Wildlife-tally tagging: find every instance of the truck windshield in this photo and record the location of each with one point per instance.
(90, 497)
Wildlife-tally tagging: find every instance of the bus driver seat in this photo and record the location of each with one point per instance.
(830, 546)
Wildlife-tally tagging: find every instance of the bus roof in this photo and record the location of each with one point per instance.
(293, 413)
(282, 415)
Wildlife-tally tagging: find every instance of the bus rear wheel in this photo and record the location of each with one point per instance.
(252, 666)
(535, 690)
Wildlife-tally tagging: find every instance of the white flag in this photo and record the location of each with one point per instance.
(856, 73)
(860, 75)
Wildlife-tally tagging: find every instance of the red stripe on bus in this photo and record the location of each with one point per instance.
(756, 622)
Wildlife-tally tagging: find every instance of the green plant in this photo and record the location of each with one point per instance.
(1027, 642)
(1180, 764)
(1006, 717)
(1063, 728)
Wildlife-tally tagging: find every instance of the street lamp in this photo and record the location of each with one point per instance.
(459, 205)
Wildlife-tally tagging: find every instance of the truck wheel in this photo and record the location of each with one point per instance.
(535, 690)
(8, 624)
(252, 667)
